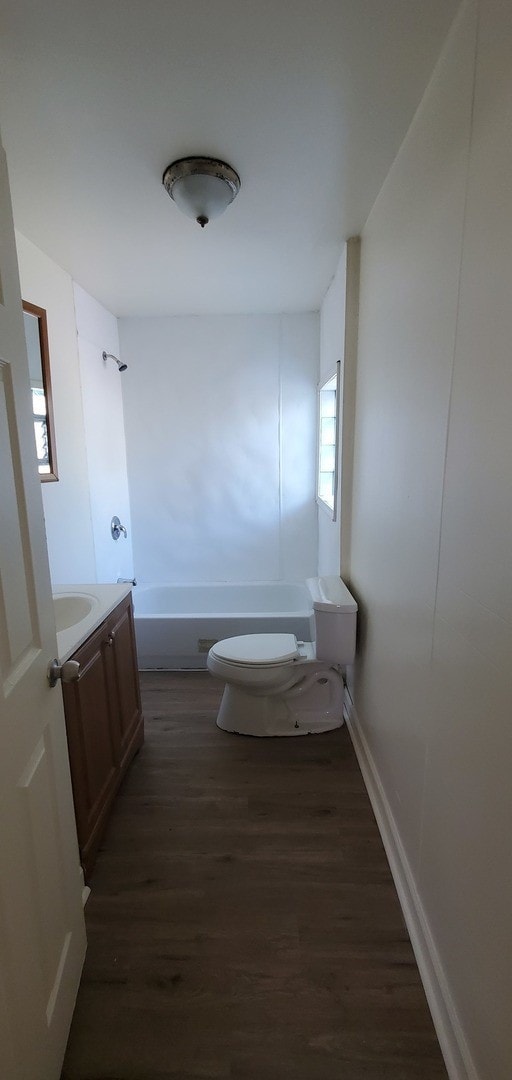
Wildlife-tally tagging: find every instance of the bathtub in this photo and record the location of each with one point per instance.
(176, 625)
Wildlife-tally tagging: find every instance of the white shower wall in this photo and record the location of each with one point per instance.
(102, 403)
(220, 415)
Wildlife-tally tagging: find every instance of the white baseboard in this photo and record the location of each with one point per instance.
(456, 1053)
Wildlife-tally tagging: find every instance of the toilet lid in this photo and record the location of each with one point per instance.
(257, 649)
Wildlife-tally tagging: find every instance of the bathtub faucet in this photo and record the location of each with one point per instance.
(126, 581)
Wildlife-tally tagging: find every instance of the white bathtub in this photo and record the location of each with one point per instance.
(175, 625)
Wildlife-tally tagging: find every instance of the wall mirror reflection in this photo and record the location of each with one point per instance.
(36, 334)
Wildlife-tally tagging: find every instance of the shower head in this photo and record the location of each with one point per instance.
(109, 356)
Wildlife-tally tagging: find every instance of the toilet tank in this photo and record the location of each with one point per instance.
(335, 620)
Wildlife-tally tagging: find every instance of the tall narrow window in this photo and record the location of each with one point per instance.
(328, 430)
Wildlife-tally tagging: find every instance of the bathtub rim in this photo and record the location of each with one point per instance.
(144, 586)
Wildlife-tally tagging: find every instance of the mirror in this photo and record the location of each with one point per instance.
(36, 335)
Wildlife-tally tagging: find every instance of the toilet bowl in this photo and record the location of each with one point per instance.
(276, 685)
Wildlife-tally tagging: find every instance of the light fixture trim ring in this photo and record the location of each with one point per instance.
(203, 166)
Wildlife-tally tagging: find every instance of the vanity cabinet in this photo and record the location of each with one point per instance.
(103, 722)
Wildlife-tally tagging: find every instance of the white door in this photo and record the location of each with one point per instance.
(42, 933)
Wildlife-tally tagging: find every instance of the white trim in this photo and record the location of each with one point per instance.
(325, 507)
(454, 1047)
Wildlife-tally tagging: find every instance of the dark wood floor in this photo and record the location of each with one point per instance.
(243, 922)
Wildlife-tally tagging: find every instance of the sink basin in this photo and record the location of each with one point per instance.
(71, 609)
(79, 610)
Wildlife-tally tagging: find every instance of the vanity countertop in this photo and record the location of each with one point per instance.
(99, 600)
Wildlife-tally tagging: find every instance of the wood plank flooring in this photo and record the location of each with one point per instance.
(243, 923)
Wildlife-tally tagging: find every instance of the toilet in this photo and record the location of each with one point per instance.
(276, 685)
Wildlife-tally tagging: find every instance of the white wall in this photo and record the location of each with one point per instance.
(66, 502)
(102, 400)
(89, 427)
(220, 422)
(432, 530)
(339, 318)
(332, 334)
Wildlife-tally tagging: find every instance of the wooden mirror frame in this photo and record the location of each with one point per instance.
(40, 314)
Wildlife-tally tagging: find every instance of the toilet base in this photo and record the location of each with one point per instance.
(281, 714)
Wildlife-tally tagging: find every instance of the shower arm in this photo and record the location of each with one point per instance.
(110, 356)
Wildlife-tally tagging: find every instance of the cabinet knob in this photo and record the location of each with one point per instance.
(110, 640)
(69, 671)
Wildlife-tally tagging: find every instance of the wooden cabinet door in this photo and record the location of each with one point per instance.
(104, 724)
(91, 731)
(125, 695)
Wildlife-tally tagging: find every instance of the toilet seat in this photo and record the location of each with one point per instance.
(257, 650)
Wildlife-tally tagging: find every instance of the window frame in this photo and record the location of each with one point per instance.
(47, 471)
(334, 377)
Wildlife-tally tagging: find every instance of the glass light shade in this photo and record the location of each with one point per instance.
(201, 187)
(202, 197)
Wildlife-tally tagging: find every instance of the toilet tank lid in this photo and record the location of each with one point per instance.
(330, 593)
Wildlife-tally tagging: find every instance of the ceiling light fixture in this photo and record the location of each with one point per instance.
(201, 187)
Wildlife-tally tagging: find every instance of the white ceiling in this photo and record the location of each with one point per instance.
(308, 101)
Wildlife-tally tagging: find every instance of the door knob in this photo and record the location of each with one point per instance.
(69, 671)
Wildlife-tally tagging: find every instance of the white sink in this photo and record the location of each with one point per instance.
(71, 609)
(79, 609)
